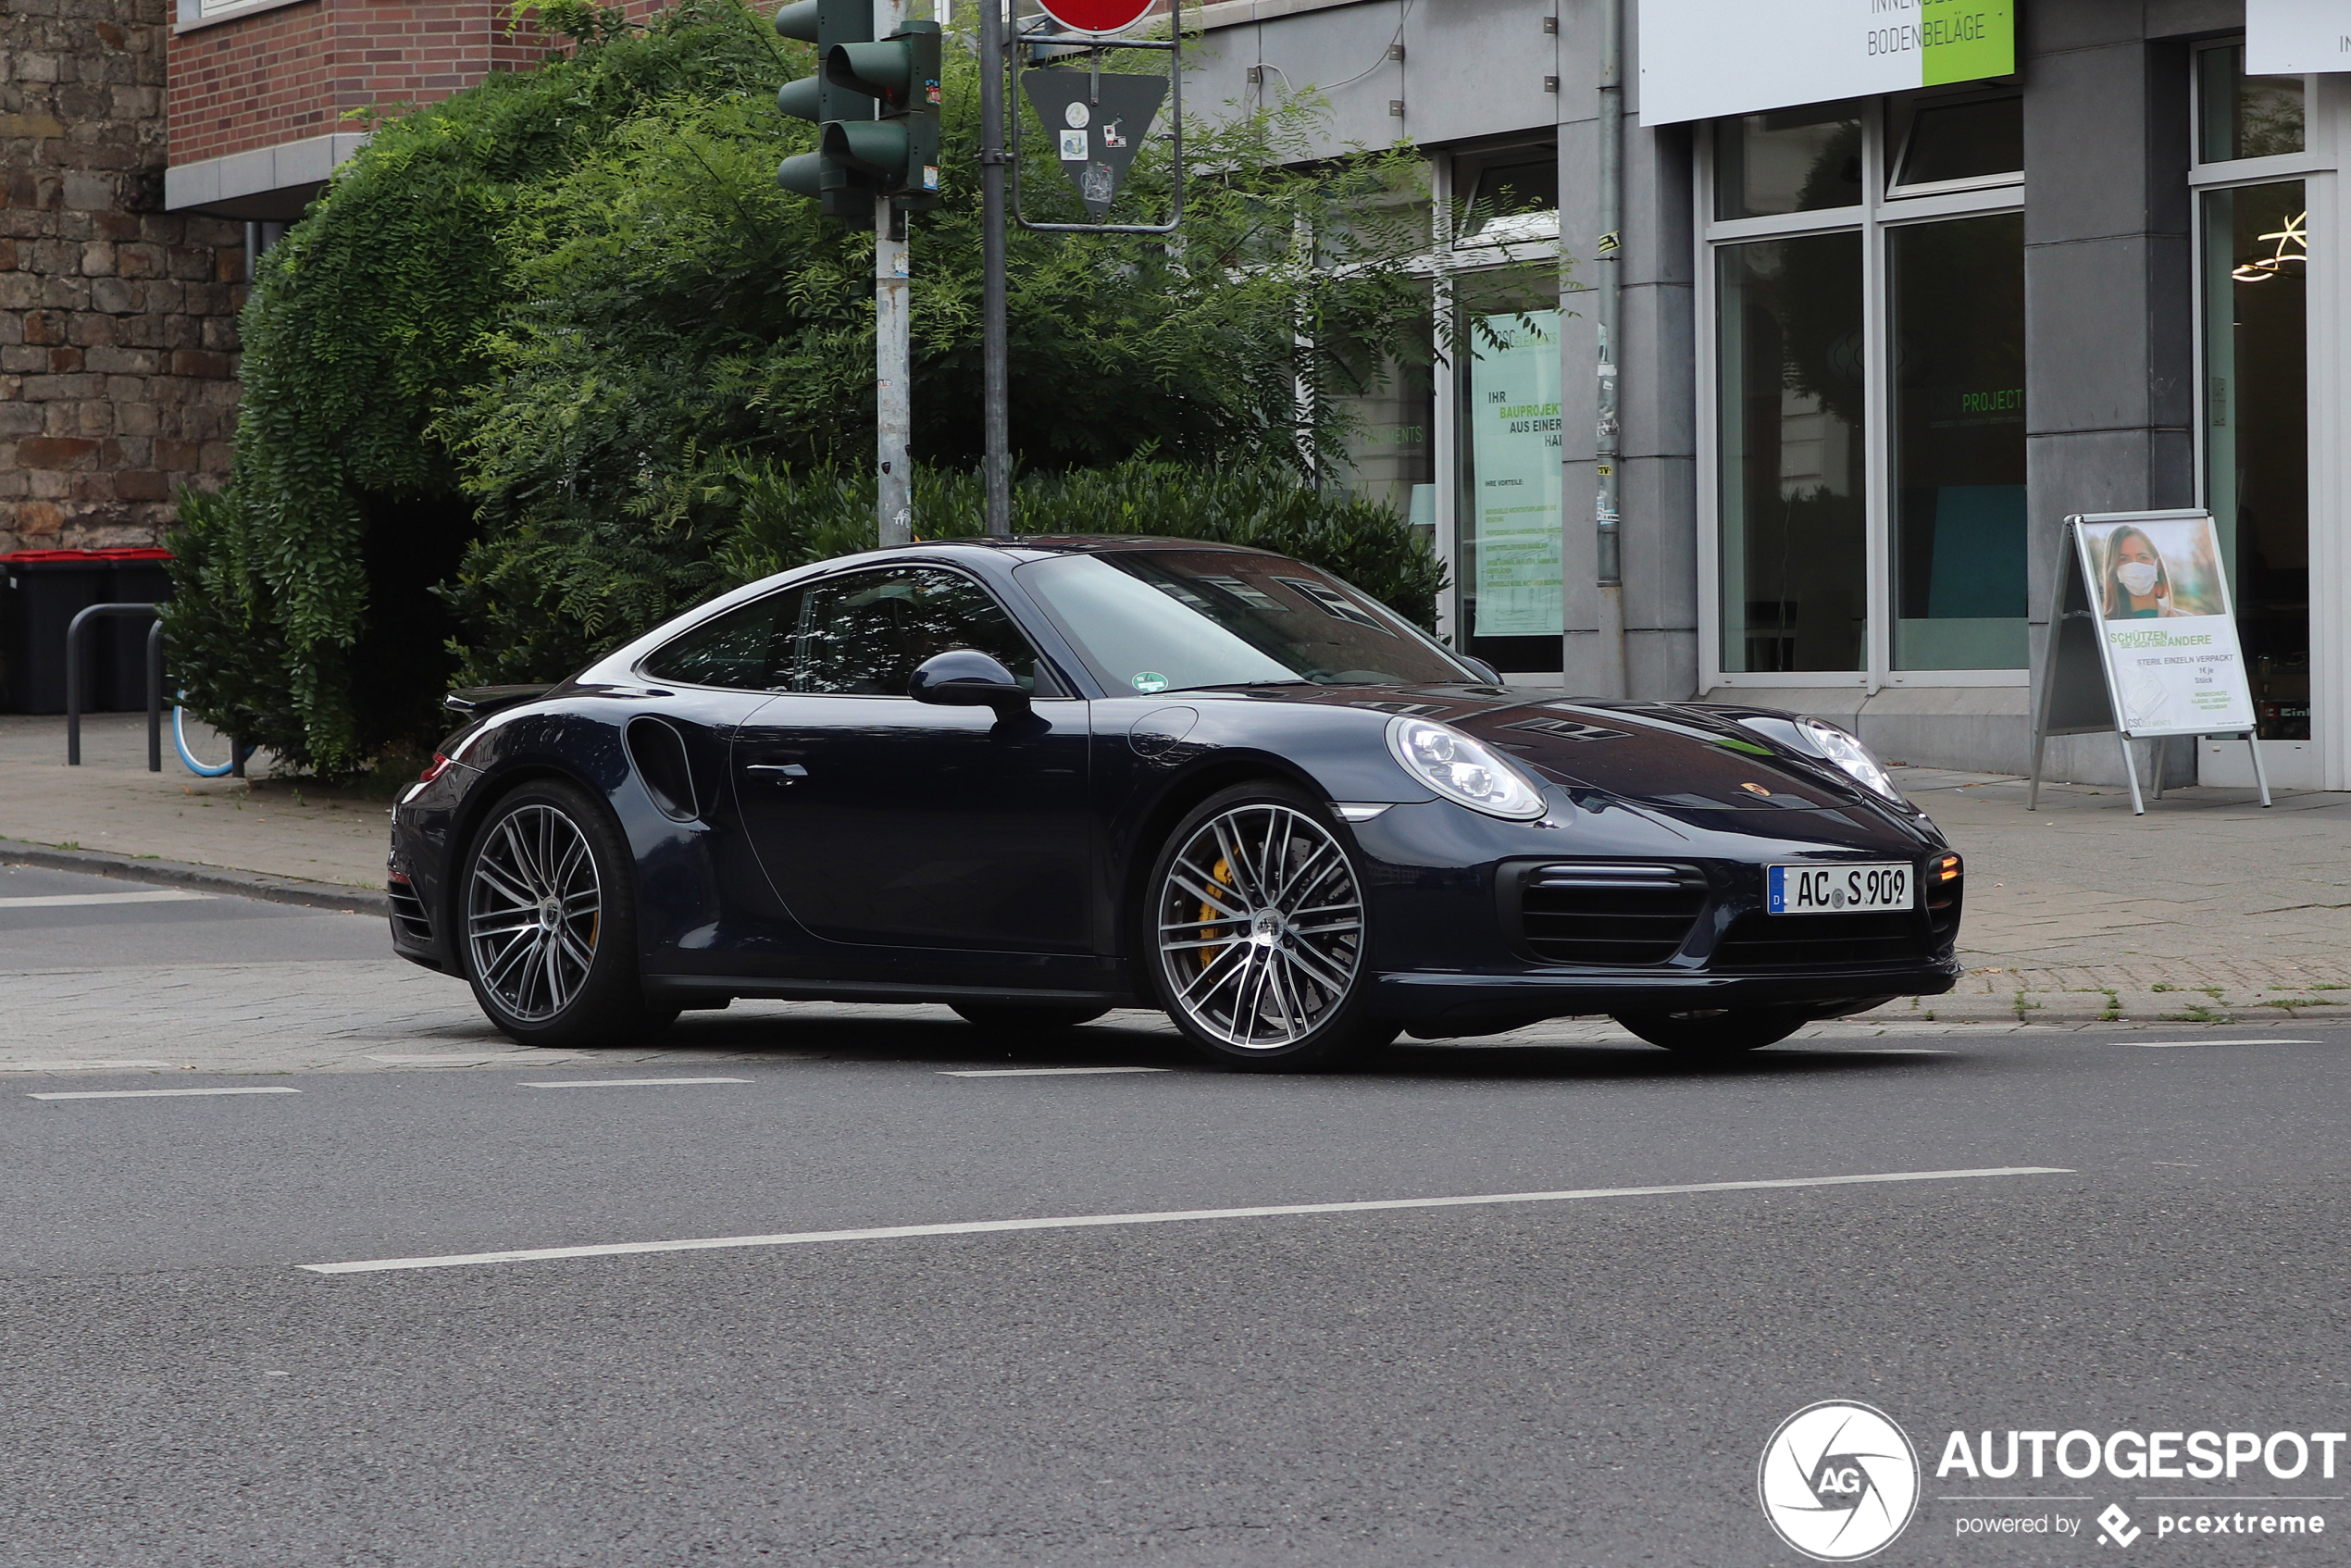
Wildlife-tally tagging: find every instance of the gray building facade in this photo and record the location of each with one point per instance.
(1869, 349)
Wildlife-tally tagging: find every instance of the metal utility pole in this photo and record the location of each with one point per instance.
(893, 348)
(996, 467)
(1608, 445)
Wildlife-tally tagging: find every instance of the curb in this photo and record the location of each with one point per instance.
(208, 879)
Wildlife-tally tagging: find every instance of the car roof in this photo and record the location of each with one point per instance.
(1032, 546)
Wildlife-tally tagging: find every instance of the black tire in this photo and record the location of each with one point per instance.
(1024, 1018)
(546, 922)
(1303, 994)
(1716, 1031)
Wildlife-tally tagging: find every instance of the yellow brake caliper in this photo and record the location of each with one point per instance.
(1222, 877)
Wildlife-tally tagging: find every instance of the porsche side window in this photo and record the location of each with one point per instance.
(748, 648)
(867, 634)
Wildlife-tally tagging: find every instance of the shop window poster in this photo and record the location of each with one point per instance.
(1515, 436)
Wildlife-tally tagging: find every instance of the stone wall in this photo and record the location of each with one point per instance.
(117, 320)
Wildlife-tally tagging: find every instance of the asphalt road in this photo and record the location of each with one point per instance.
(1574, 1380)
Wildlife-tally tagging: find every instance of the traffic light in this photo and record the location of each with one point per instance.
(829, 24)
(859, 157)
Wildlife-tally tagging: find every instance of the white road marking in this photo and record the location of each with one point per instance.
(73, 1066)
(631, 1083)
(1072, 1222)
(1040, 1072)
(151, 1093)
(1878, 1050)
(2184, 1044)
(470, 1058)
(76, 900)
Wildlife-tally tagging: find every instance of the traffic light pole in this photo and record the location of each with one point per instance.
(893, 371)
(893, 349)
(996, 465)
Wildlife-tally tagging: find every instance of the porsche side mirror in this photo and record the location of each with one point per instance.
(965, 677)
(1492, 676)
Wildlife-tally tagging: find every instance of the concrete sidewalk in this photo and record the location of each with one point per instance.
(2207, 910)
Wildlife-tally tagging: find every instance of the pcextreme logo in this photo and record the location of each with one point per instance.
(1838, 1481)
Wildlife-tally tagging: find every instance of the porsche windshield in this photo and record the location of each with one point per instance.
(1172, 620)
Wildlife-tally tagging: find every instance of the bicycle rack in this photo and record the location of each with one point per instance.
(74, 660)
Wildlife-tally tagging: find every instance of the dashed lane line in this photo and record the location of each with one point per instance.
(631, 1083)
(1075, 1222)
(150, 1093)
(1041, 1072)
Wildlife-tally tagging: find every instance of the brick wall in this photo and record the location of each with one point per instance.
(284, 75)
(117, 320)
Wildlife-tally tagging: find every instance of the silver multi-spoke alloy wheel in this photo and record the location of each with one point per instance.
(534, 909)
(1260, 926)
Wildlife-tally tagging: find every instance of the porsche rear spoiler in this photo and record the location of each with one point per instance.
(473, 702)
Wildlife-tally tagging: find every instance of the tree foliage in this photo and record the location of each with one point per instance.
(559, 351)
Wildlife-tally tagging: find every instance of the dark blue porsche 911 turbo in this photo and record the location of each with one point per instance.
(1037, 779)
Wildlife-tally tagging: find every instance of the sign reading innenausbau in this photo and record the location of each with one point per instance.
(1700, 58)
(2289, 37)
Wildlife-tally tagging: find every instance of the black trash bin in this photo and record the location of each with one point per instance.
(135, 577)
(40, 593)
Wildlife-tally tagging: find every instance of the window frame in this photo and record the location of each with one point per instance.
(1066, 689)
(1879, 212)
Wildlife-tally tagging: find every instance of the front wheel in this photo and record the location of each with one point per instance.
(1715, 1032)
(550, 941)
(1258, 931)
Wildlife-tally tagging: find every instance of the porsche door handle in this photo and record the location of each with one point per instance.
(786, 771)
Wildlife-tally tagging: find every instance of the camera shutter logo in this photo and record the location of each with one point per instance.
(1838, 1481)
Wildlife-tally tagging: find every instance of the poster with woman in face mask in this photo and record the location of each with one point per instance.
(2171, 641)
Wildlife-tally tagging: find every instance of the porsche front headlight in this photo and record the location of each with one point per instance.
(1463, 770)
(1842, 748)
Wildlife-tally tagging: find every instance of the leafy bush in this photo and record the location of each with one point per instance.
(556, 597)
(558, 351)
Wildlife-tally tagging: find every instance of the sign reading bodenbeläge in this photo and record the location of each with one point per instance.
(2289, 37)
(1700, 58)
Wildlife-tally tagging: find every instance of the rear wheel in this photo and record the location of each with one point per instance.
(549, 905)
(1026, 1018)
(1715, 1032)
(1257, 926)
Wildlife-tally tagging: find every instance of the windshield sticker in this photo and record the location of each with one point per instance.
(1150, 680)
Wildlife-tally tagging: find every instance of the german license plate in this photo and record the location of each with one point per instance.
(1840, 890)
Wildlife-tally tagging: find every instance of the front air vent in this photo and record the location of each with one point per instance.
(408, 913)
(1760, 942)
(660, 756)
(1607, 913)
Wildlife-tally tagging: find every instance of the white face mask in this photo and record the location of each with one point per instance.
(2138, 577)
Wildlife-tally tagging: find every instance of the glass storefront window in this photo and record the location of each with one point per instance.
(2241, 116)
(1790, 160)
(2257, 434)
(1792, 412)
(1957, 297)
(1962, 144)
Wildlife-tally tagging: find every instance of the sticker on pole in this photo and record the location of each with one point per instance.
(1096, 16)
(1097, 122)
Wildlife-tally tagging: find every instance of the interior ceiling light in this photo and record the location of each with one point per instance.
(2293, 245)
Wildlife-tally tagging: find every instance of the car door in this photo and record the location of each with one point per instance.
(887, 822)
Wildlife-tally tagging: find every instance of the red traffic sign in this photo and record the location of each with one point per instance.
(1096, 16)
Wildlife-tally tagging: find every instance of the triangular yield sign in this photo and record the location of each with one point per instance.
(1096, 123)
